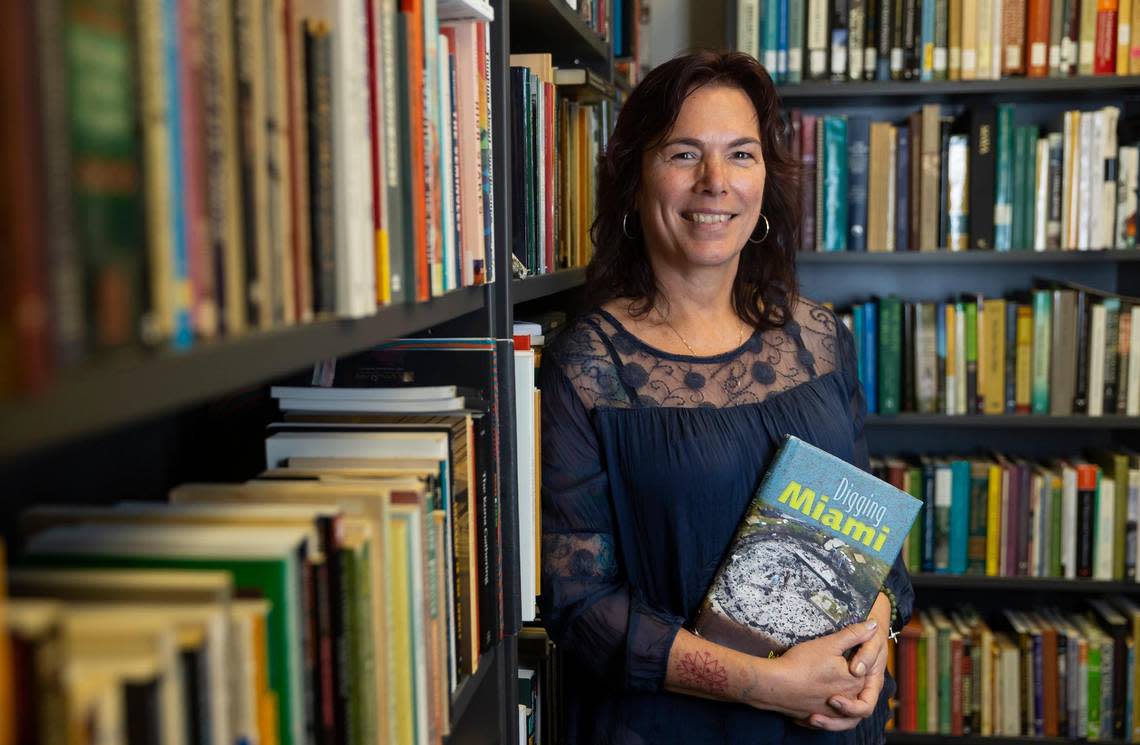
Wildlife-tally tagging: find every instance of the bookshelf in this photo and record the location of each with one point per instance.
(542, 286)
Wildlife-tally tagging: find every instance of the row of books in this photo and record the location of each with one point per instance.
(595, 14)
(1002, 516)
(1058, 349)
(841, 40)
(237, 166)
(560, 119)
(1039, 673)
(372, 541)
(977, 181)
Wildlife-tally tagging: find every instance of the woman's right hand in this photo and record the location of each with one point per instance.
(810, 674)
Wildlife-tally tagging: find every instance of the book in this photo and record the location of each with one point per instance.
(830, 553)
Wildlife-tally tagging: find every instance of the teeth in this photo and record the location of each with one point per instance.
(707, 218)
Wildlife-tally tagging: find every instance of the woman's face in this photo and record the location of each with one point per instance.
(701, 188)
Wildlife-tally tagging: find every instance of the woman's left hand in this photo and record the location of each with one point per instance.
(869, 662)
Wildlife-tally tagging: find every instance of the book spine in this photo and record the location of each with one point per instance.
(394, 159)
(1083, 329)
(1104, 55)
(903, 190)
(1087, 477)
(180, 279)
(930, 188)
(835, 183)
(782, 33)
(898, 31)
(1013, 37)
(890, 356)
(1055, 187)
(885, 33)
(906, 351)
(973, 399)
(912, 26)
(954, 39)
(318, 64)
(871, 354)
(1003, 191)
(818, 39)
(983, 138)
(1057, 11)
(943, 182)
(808, 184)
(858, 151)
(856, 41)
(1037, 38)
(870, 38)
(941, 39)
(796, 41)
(837, 25)
(1086, 31)
(958, 216)
(748, 27)
(926, 47)
(1111, 355)
(1128, 159)
(770, 37)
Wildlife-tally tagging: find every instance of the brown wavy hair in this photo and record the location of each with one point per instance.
(765, 288)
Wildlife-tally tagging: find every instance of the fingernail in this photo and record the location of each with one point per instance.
(860, 668)
(872, 625)
(834, 703)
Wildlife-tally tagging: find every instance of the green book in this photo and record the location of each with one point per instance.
(970, 307)
(979, 509)
(1017, 231)
(1003, 189)
(890, 355)
(350, 658)
(920, 674)
(1028, 166)
(1042, 353)
(1056, 526)
(914, 540)
(835, 183)
(1116, 464)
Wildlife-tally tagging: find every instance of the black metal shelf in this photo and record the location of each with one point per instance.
(913, 738)
(839, 91)
(928, 258)
(553, 26)
(975, 583)
(145, 384)
(1004, 421)
(543, 285)
(469, 686)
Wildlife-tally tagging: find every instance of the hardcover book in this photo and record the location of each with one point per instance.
(810, 555)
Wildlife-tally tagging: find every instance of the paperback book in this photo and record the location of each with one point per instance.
(810, 555)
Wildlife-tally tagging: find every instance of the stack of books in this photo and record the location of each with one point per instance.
(1058, 349)
(799, 40)
(238, 166)
(1003, 516)
(341, 596)
(977, 181)
(560, 120)
(1040, 673)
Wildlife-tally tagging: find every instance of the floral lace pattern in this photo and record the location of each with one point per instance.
(609, 367)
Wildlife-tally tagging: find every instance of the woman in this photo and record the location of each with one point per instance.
(662, 408)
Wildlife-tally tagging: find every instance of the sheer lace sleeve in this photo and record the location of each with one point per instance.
(898, 581)
(589, 608)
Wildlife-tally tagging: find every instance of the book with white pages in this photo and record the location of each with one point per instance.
(405, 393)
(428, 406)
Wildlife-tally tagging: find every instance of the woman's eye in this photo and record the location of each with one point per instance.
(742, 155)
(688, 155)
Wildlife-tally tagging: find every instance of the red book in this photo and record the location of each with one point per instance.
(908, 675)
(807, 149)
(548, 100)
(1013, 37)
(24, 336)
(1104, 58)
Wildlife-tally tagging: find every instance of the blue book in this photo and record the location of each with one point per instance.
(783, 20)
(926, 51)
(902, 190)
(810, 555)
(180, 267)
(929, 516)
(770, 38)
(858, 152)
(795, 41)
(940, 351)
(857, 324)
(959, 515)
(870, 357)
(834, 217)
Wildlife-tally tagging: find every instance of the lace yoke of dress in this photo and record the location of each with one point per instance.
(610, 367)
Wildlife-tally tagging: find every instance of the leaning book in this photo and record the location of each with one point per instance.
(810, 555)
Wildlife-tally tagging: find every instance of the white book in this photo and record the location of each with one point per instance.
(408, 393)
(282, 446)
(463, 10)
(525, 462)
(1133, 401)
(354, 237)
(1105, 524)
(1128, 165)
(1069, 520)
(1098, 328)
(817, 41)
(1095, 180)
(430, 406)
(996, 46)
(1010, 690)
(1106, 223)
(1041, 197)
(926, 359)
(748, 27)
(1036, 536)
(1084, 180)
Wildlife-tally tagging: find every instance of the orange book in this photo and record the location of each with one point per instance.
(1037, 38)
(412, 18)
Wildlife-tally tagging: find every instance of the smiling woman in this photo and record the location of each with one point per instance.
(661, 409)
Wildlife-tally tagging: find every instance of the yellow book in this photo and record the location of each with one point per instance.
(1123, 36)
(401, 626)
(993, 521)
(7, 696)
(991, 366)
(1023, 367)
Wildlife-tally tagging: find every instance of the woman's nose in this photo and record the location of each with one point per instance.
(712, 180)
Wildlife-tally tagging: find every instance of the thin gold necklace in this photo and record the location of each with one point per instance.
(693, 352)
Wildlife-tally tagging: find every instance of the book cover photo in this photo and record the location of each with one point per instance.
(810, 555)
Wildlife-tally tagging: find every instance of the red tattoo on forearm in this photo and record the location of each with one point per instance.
(701, 671)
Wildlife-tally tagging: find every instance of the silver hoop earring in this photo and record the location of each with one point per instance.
(624, 227)
(767, 228)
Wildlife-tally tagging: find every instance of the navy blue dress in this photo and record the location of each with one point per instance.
(649, 460)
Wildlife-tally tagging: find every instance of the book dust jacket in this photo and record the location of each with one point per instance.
(810, 555)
